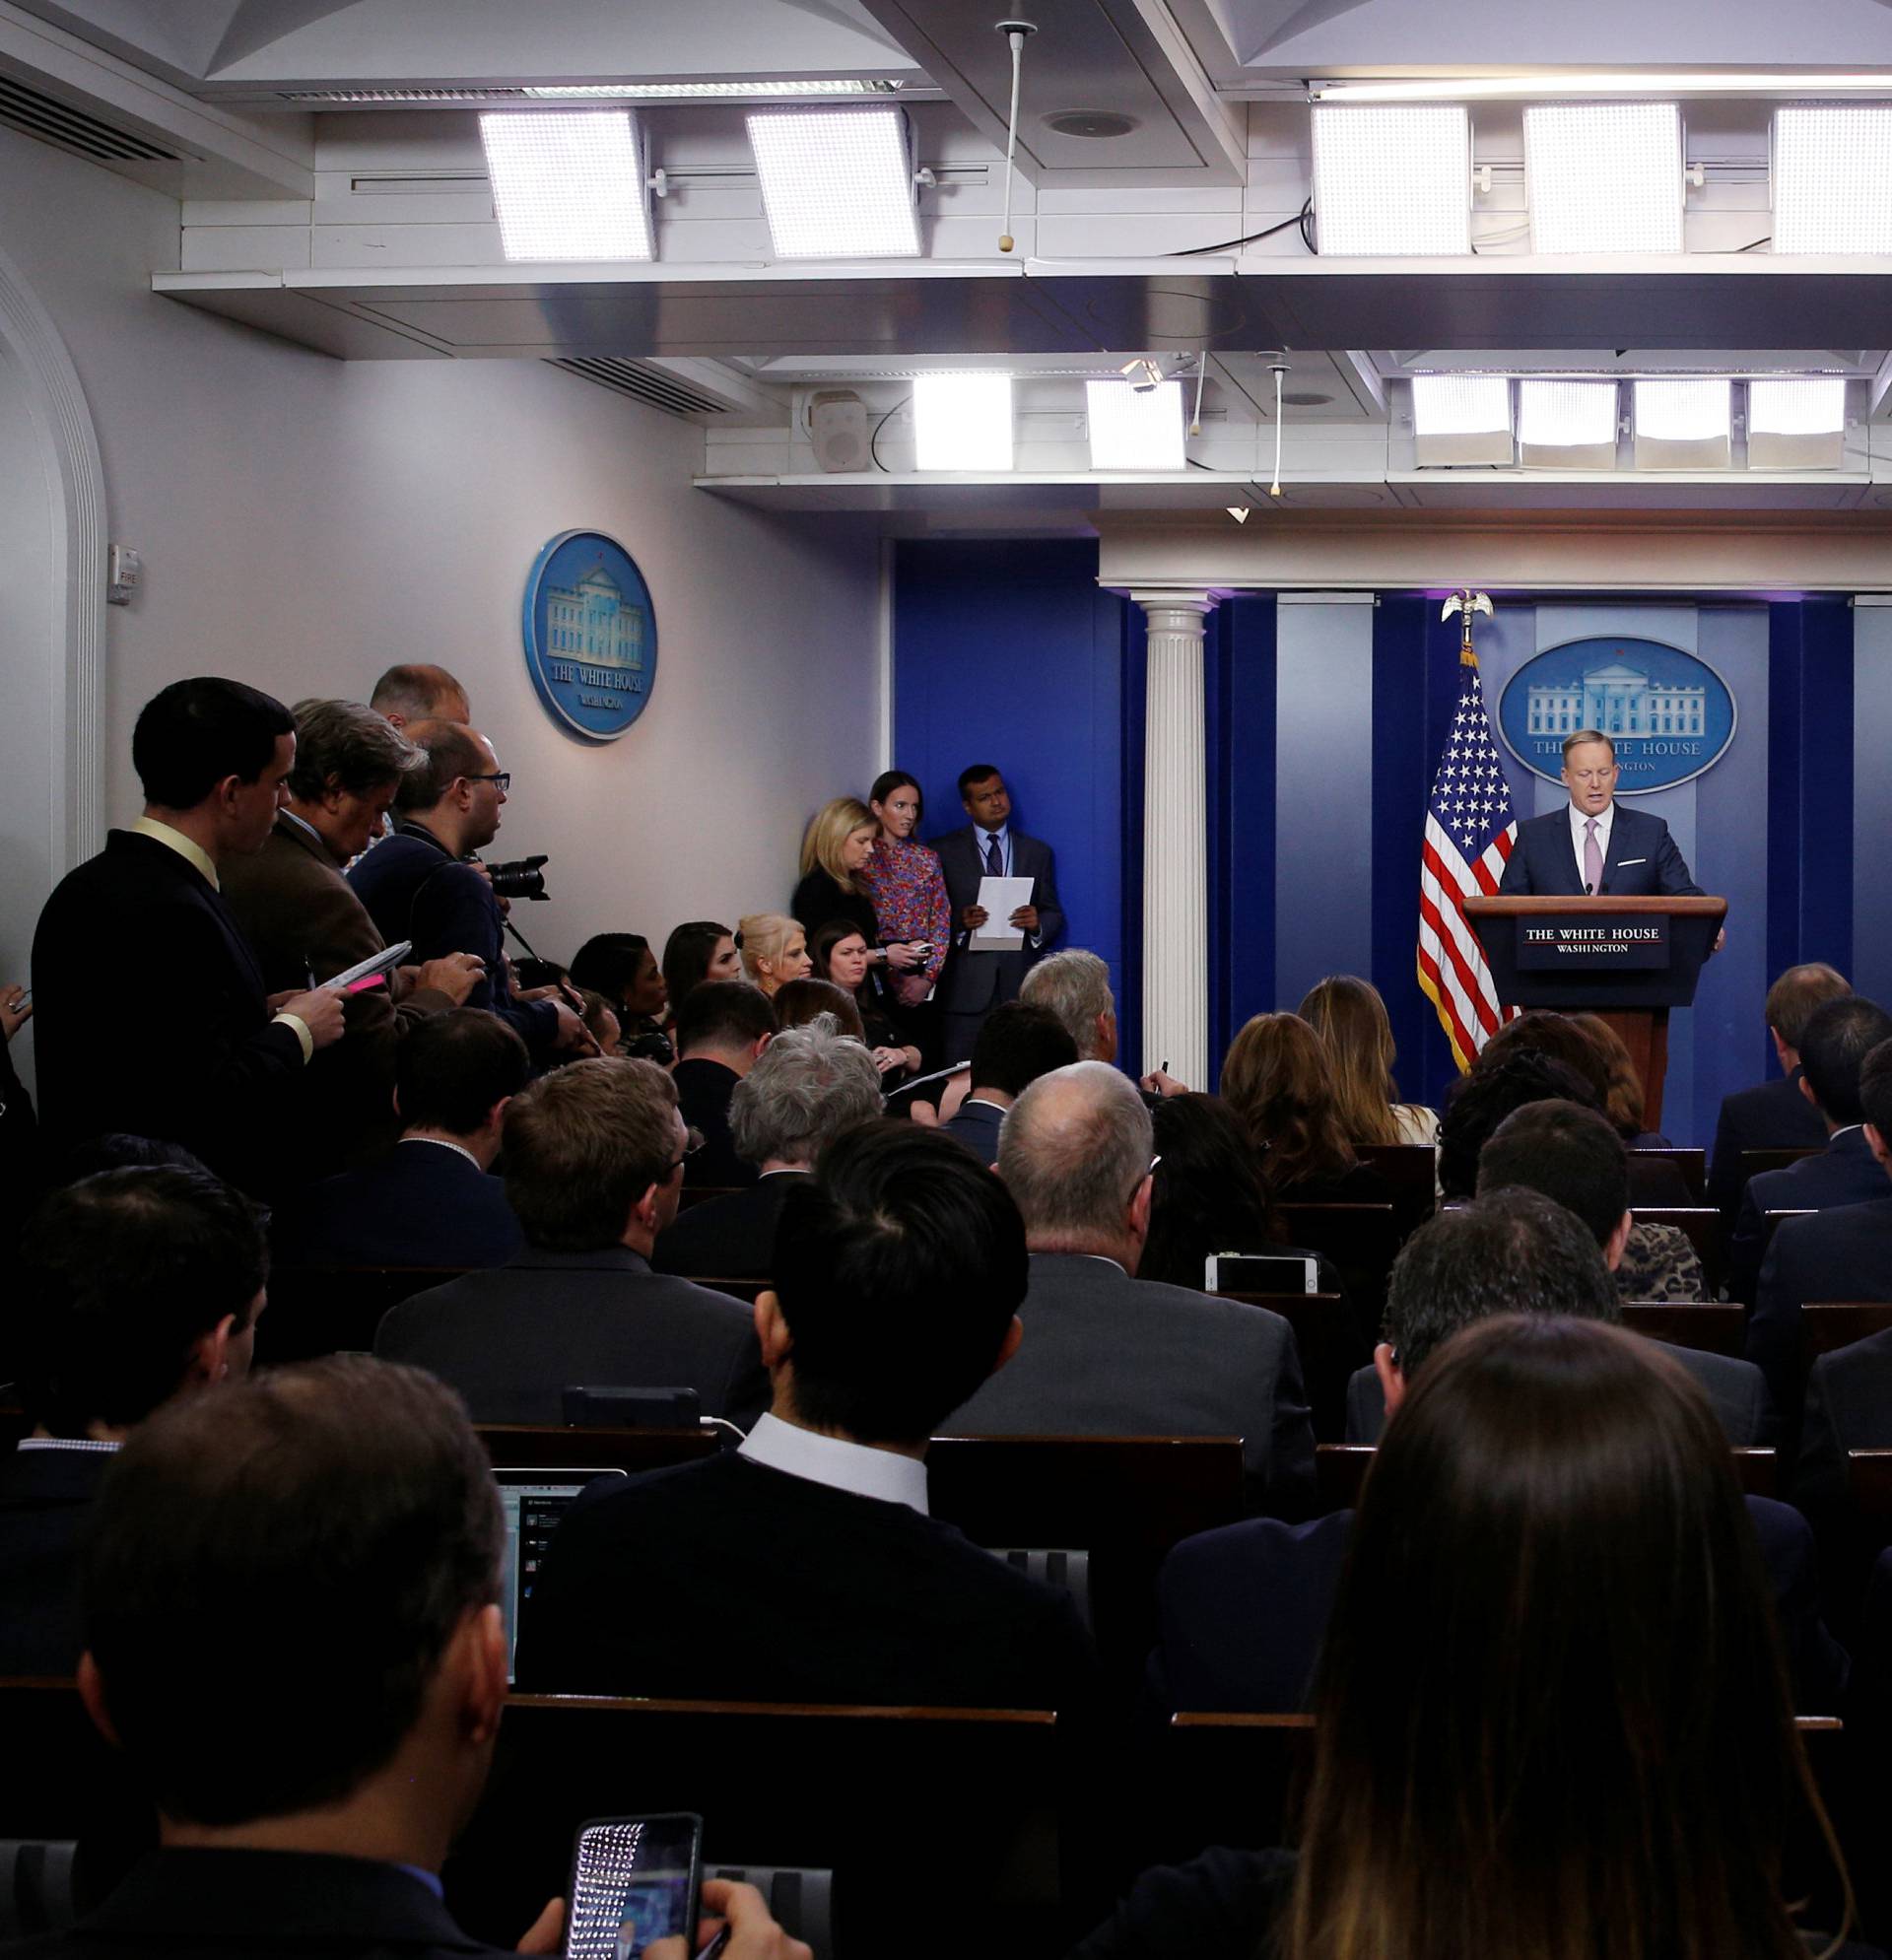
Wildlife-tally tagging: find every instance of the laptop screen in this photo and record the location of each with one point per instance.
(532, 1502)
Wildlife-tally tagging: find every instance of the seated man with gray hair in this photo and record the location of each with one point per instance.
(810, 1085)
(1075, 985)
(1105, 1353)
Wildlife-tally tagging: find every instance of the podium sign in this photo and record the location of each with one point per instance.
(1593, 943)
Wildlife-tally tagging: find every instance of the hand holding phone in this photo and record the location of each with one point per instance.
(747, 1931)
(633, 1883)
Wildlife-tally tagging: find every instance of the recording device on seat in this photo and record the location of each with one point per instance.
(519, 878)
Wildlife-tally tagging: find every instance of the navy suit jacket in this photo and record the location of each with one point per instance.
(1242, 1613)
(1773, 1116)
(1743, 1405)
(974, 981)
(46, 1496)
(977, 1126)
(214, 1072)
(1108, 1355)
(513, 1339)
(1849, 1392)
(420, 1205)
(732, 1237)
(1642, 861)
(1845, 1173)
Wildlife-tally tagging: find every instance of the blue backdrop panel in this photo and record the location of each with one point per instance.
(1871, 815)
(1241, 708)
(1010, 653)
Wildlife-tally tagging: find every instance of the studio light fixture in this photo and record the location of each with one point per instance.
(1135, 428)
(1683, 424)
(1567, 425)
(1461, 418)
(1833, 178)
(836, 183)
(1604, 177)
(1796, 422)
(568, 185)
(1577, 84)
(1392, 182)
(963, 421)
(683, 92)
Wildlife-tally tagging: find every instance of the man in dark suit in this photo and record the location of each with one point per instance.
(974, 983)
(432, 1200)
(1243, 1610)
(808, 1088)
(224, 1068)
(418, 884)
(1833, 1052)
(900, 1268)
(137, 1287)
(722, 1027)
(1776, 1115)
(308, 1803)
(594, 1163)
(304, 922)
(1018, 1044)
(1106, 1354)
(1593, 844)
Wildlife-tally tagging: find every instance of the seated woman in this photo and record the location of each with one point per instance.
(1552, 1719)
(1208, 1196)
(1349, 1016)
(1276, 1077)
(622, 967)
(802, 1001)
(1623, 1104)
(837, 844)
(840, 954)
(902, 876)
(773, 949)
(697, 950)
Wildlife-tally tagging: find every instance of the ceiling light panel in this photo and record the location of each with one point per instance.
(1460, 418)
(1683, 424)
(836, 183)
(1567, 425)
(1563, 84)
(1135, 428)
(686, 92)
(568, 186)
(1833, 179)
(963, 421)
(1604, 177)
(1796, 422)
(1392, 182)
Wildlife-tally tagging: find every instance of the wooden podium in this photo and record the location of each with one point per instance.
(1627, 961)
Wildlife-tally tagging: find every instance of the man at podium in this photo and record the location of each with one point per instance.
(1594, 847)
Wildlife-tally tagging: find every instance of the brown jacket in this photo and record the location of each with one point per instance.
(302, 920)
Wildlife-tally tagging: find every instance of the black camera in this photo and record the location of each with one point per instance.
(522, 878)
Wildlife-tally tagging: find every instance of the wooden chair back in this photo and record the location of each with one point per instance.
(1341, 1471)
(1361, 1240)
(1331, 1347)
(1692, 1164)
(1713, 1327)
(526, 1445)
(1412, 1170)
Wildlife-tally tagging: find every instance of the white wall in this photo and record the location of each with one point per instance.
(306, 523)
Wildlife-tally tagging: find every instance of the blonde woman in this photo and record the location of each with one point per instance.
(838, 843)
(1349, 1016)
(773, 949)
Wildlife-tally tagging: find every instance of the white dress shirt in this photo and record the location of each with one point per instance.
(837, 1463)
(1579, 819)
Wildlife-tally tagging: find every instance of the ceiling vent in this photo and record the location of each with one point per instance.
(68, 128)
(646, 384)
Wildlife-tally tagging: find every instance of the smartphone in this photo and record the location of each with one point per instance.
(1260, 1272)
(633, 1880)
(375, 966)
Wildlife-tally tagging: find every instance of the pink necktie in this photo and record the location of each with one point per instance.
(1593, 856)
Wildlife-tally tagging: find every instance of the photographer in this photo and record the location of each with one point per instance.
(417, 886)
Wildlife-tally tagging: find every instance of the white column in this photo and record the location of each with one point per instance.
(1175, 840)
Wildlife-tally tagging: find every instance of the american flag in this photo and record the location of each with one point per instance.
(1469, 832)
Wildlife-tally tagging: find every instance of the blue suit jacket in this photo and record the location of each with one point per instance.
(972, 981)
(1642, 861)
(420, 1205)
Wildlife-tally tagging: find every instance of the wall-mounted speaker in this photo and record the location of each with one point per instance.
(837, 429)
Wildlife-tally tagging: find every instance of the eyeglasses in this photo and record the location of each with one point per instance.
(693, 1141)
(502, 776)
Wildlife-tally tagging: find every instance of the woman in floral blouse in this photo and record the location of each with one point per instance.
(907, 889)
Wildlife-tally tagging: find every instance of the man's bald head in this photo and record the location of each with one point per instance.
(1075, 1152)
(405, 694)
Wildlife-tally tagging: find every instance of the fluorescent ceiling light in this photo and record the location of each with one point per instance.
(1833, 179)
(836, 183)
(1695, 410)
(1392, 182)
(963, 421)
(682, 92)
(1796, 422)
(1576, 83)
(1567, 425)
(1460, 418)
(1135, 428)
(568, 186)
(1604, 177)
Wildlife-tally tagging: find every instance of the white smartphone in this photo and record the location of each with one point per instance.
(1260, 1272)
(377, 965)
